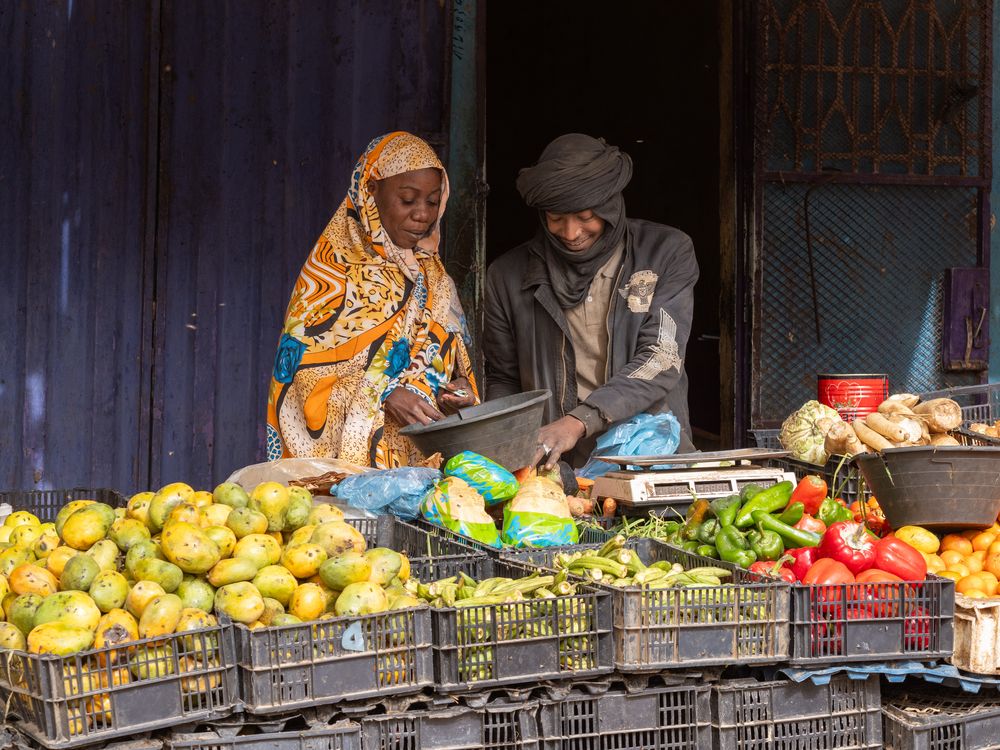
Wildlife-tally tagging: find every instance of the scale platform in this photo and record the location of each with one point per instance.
(702, 475)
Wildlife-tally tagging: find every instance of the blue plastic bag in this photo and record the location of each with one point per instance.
(486, 477)
(397, 492)
(642, 435)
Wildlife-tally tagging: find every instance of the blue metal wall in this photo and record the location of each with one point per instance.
(172, 164)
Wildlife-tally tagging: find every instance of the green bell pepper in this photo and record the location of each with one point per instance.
(708, 530)
(726, 508)
(734, 548)
(771, 500)
(830, 512)
(767, 545)
(791, 537)
(707, 550)
(793, 514)
(690, 545)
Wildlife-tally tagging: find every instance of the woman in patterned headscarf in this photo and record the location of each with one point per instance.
(374, 335)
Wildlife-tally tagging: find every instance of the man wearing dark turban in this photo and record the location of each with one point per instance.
(595, 307)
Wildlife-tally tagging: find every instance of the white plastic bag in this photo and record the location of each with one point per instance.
(284, 470)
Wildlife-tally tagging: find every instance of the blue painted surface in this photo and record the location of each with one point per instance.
(188, 154)
(72, 225)
(264, 115)
(994, 234)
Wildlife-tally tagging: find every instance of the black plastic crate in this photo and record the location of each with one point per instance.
(524, 642)
(698, 626)
(752, 715)
(671, 718)
(909, 620)
(588, 535)
(980, 403)
(413, 541)
(346, 736)
(496, 726)
(46, 504)
(841, 476)
(97, 696)
(921, 720)
(334, 660)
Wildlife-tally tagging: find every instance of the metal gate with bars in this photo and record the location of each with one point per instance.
(872, 171)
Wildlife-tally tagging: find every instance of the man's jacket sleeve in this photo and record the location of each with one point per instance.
(499, 346)
(658, 361)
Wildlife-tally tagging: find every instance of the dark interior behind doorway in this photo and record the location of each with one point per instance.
(643, 75)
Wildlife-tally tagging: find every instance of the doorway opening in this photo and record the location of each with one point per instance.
(645, 77)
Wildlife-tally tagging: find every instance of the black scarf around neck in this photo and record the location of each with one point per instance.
(576, 173)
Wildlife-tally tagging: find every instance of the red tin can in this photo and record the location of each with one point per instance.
(853, 396)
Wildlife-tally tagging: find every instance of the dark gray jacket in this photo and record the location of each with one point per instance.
(527, 343)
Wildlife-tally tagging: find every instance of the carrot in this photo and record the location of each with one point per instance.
(885, 428)
(869, 437)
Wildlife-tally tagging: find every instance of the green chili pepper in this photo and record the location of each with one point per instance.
(771, 500)
(767, 545)
(726, 508)
(793, 514)
(707, 550)
(708, 530)
(792, 537)
(734, 548)
(749, 491)
(830, 512)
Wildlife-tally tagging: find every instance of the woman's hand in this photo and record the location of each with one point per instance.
(557, 438)
(404, 407)
(450, 400)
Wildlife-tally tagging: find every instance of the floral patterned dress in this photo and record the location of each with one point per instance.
(365, 318)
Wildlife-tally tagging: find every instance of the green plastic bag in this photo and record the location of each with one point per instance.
(485, 476)
(528, 529)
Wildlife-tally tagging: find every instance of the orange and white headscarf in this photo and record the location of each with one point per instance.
(365, 317)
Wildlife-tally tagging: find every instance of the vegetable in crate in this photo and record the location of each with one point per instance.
(734, 548)
(772, 499)
(616, 566)
(789, 535)
(810, 491)
(849, 543)
(804, 432)
(766, 544)
(833, 511)
(775, 569)
(725, 509)
(485, 476)
(539, 516)
(454, 505)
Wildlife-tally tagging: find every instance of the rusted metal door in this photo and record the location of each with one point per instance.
(872, 177)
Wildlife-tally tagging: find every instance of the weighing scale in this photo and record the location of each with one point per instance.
(658, 483)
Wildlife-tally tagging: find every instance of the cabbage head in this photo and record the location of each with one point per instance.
(805, 430)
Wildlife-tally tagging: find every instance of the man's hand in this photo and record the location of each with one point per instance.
(558, 438)
(450, 399)
(404, 408)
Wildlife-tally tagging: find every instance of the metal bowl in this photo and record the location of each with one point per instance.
(505, 430)
(946, 487)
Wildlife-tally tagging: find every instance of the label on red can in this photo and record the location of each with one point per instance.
(853, 396)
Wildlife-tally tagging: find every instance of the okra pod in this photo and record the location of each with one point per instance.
(615, 542)
(601, 563)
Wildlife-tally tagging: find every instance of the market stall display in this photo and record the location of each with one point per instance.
(268, 602)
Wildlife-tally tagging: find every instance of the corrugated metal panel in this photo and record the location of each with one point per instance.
(72, 176)
(264, 113)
